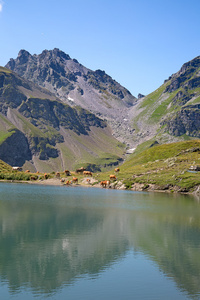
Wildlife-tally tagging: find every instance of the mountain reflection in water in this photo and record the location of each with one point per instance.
(50, 236)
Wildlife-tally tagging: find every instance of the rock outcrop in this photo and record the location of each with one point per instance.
(186, 121)
(15, 149)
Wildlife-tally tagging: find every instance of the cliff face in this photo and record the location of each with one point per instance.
(15, 149)
(186, 121)
(186, 86)
(38, 128)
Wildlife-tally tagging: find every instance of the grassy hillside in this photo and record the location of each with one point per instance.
(164, 166)
(4, 167)
(161, 168)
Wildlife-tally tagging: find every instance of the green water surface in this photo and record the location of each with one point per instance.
(89, 243)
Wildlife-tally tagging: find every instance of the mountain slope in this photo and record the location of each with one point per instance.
(75, 84)
(40, 132)
(172, 112)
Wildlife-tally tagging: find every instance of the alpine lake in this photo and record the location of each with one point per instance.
(59, 242)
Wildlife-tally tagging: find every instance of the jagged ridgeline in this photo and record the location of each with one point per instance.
(40, 132)
(75, 84)
(71, 81)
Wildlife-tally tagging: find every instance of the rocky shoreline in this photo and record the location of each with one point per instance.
(118, 185)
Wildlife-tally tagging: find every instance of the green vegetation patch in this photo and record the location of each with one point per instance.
(151, 98)
(162, 152)
(5, 135)
(4, 167)
(4, 70)
(165, 166)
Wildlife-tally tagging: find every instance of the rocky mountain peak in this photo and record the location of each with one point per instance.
(187, 77)
(22, 58)
(67, 78)
(23, 55)
(140, 96)
(193, 64)
(54, 54)
(59, 53)
(75, 84)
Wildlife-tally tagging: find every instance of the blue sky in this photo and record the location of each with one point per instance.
(139, 43)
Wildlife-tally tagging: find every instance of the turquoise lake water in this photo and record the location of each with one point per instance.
(90, 243)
